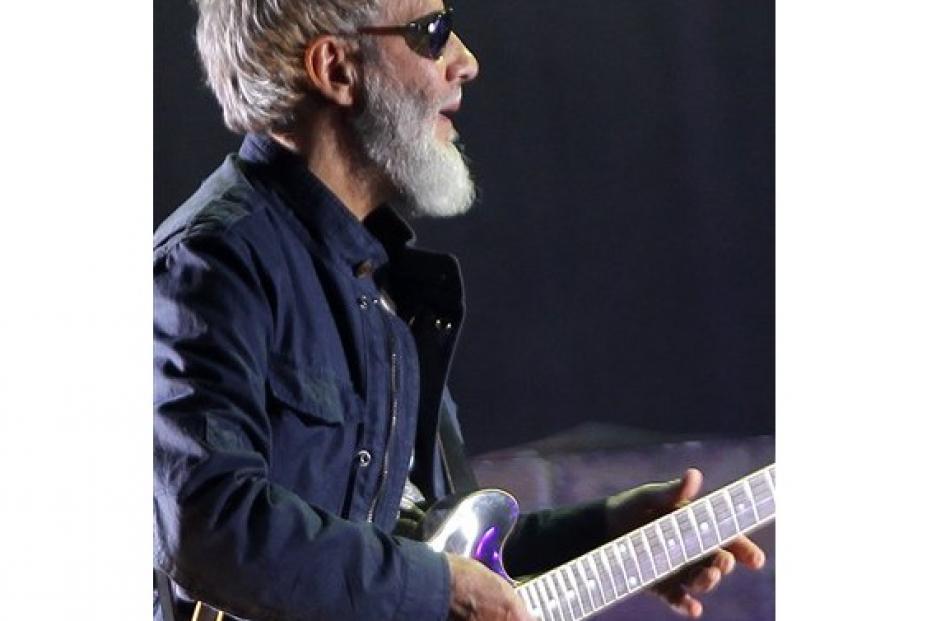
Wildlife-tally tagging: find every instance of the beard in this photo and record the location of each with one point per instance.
(394, 130)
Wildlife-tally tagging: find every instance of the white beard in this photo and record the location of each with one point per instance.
(395, 130)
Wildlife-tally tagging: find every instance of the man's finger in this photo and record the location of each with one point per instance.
(688, 606)
(724, 561)
(679, 600)
(704, 581)
(746, 552)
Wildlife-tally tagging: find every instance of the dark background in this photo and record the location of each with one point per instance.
(620, 263)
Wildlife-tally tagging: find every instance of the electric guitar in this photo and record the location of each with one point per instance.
(479, 524)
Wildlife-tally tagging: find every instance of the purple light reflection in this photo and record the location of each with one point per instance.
(487, 539)
(488, 552)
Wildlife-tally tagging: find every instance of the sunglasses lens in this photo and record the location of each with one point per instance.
(439, 31)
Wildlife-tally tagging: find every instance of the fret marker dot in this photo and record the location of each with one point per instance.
(632, 582)
(741, 506)
(703, 526)
(671, 542)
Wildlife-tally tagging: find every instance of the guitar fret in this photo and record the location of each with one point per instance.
(570, 594)
(725, 519)
(768, 480)
(644, 558)
(744, 508)
(660, 561)
(613, 563)
(548, 605)
(556, 596)
(771, 470)
(580, 584)
(762, 494)
(606, 580)
(546, 613)
(689, 533)
(711, 512)
(536, 608)
(661, 542)
(708, 534)
(597, 594)
(674, 543)
(549, 600)
(731, 506)
(634, 579)
(533, 609)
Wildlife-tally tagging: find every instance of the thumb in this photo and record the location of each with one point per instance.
(681, 491)
(638, 506)
(676, 493)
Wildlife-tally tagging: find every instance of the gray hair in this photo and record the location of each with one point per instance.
(252, 52)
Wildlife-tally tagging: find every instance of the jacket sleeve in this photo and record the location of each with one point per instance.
(545, 539)
(222, 531)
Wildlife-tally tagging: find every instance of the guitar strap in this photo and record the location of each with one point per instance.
(458, 471)
(164, 585)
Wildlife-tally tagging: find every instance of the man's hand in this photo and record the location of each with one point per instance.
(634, 508)
(480, 595)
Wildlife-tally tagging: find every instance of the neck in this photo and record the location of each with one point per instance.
(331, 155)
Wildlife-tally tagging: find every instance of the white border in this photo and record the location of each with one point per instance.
(862, 307)
(75, 342)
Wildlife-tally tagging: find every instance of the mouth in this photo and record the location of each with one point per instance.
(448, 111)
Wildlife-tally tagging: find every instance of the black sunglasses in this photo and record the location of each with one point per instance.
(426, 36)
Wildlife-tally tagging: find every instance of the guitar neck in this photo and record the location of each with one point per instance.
(620, 568)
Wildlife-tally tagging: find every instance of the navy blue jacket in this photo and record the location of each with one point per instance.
(300, 361)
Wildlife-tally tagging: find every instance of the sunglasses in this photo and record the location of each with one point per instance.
(426, 36)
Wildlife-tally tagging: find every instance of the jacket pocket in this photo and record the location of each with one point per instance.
(313, 394)
(315, 420)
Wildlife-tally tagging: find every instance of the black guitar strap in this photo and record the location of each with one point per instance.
(458, 471)
(164, 585)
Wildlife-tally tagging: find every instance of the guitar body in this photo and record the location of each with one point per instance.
(476, 526)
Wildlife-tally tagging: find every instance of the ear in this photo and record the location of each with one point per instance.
(332, 70)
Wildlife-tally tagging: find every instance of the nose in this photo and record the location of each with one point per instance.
(462, 65)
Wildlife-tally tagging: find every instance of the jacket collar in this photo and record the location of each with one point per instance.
(384, 239)
(326, 218)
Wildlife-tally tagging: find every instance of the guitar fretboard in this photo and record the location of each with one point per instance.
(618, 569)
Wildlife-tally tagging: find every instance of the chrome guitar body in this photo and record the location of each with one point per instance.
(476, 526)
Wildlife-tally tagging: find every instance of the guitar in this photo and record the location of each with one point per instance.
(478, 525)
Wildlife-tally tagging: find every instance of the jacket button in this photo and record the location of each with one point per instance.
(443, 325)
(364, 458)
(363, 301)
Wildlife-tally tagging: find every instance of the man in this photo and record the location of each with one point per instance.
(302, 343)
